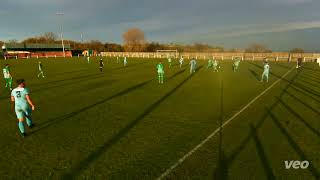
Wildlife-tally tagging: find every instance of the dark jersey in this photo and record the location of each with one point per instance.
(101, 64)
(299, 61)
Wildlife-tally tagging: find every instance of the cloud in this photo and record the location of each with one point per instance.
(212, 33)
(259, 29)
(292, 2)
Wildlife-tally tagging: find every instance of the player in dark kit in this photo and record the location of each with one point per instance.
(299, 63)
(101, 65)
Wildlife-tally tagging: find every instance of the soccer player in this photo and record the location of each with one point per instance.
(23, 105)
(125, 62)
(88, 59)
(236, 64)
(118, 61)
(318, 61)
(193, 64)
(299, 63)
(7, 76)
(210, 64)
(170, 62)
(40, 67)
(101, 65)
(215, 66)
(181, 61)
(265, 73)
(160, 71)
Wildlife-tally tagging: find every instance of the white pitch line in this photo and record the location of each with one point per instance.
(182, 159)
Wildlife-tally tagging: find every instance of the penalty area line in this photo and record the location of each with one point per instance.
(182, 159)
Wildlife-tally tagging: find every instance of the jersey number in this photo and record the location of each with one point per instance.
(18, 94)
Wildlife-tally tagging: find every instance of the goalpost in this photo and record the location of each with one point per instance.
(236, 57)
(167, 53)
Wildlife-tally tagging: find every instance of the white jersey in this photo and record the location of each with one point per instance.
(266, 68)
(6, 73)
(181, 60)
(40, 67)
(318, 60)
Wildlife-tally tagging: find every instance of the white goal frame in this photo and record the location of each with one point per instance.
(168, 53)
(234, 57)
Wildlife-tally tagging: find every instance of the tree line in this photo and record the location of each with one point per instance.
(134, 40)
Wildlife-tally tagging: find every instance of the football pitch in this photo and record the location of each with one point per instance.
(122, 124)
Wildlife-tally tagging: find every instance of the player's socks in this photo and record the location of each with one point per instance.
(29, 121)
(21, 127)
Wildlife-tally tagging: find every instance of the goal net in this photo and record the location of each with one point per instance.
(167, 53)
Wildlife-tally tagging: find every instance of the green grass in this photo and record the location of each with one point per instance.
(121, 124)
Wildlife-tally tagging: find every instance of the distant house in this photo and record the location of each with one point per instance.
(26, 50)
(90, 52)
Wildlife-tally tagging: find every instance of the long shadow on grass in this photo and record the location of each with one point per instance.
(306, 89)
(296, 85)
(98, 76)
(221, 171)
(304, 103)
(47, 84)
(66, 116)
(283, 66)
(67, 72)
(71, 83)
(100, 150)
(57, 120)
(305, 94)
(294, 145)
(312, 74)
(260, 67)
(262, 155)
(128, 66)
(254, 74)
(87, 76)
(301, 119)
(310, 78)
(311, 69)
(311, 84)
(229, 160)
(176, 74)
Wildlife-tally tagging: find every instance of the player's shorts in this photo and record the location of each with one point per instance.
(266, 74)
(22, 112)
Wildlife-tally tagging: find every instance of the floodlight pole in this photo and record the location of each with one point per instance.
(61, 32)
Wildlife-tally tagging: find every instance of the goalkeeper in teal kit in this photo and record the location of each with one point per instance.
(236, 64)
(7, 76)
(160, 71)
(170, 62)
(23, 105)
(210, 64)
(215, 66)
(265, 74)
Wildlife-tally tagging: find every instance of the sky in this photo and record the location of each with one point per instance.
(279, 24)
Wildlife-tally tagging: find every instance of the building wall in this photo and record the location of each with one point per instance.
(37, 54)
(276, 56)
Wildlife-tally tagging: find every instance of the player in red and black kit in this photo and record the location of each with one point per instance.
(101, 65)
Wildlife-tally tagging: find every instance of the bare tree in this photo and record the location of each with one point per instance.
(297, 50)
(134, 40)
(13, 41)
(257, 48)
(49, 37)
